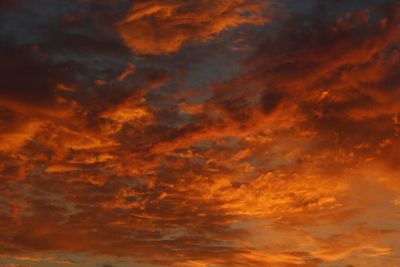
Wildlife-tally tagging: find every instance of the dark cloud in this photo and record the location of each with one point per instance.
(9, 3)
(29, 77)
(270, 101)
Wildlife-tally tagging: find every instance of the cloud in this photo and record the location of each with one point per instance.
(162, 27)
(288, 158)
(270, 101)
(345, 244)
(37, 87)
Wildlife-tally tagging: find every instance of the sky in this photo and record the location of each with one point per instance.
(199, 133)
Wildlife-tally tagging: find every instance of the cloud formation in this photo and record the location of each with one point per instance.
(119, 140)
(162, 27)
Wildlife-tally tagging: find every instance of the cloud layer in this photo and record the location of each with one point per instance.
(206, 133)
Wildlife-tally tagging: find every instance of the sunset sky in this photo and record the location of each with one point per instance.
(199, 133)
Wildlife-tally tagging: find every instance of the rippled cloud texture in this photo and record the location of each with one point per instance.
(200, 133)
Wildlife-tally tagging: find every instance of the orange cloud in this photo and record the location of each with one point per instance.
(291, 159)
(162, 27)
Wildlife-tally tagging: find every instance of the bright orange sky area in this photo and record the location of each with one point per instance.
(200, 133)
